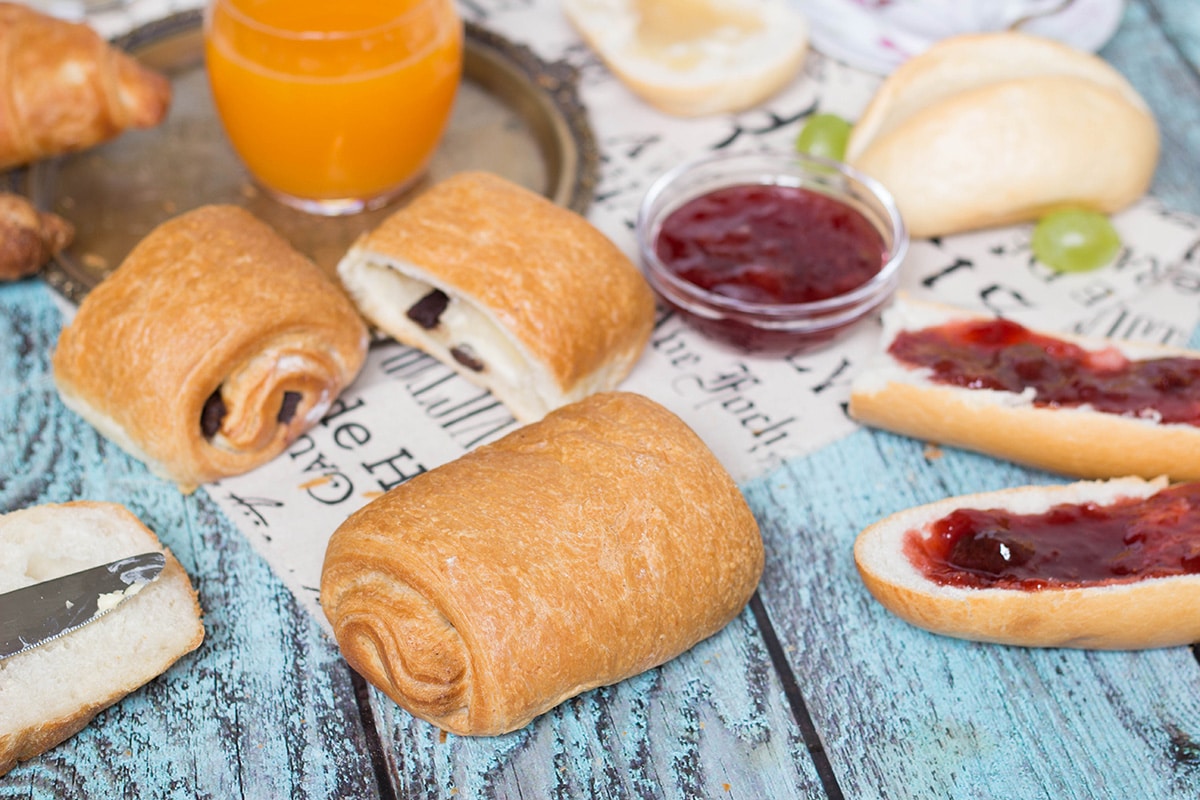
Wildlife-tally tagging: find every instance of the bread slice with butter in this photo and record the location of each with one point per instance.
(50, 692)
(696, 57)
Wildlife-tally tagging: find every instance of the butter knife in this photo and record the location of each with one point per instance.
(34, 615)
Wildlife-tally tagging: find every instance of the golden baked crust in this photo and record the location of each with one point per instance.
(210, 300)
(573, 553)
(28, 237)
(1072, 441)
(1160, 612)
(577, 311)
(1067, 441)
(63, 88)
(971, 61)
(997, 128)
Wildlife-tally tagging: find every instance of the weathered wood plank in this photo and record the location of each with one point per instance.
(264, 708)
(711, 723)
(1180, 24)
(1150, 57)
(905, 713)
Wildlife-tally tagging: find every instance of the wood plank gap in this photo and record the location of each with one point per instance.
(791, 690)
(383, 775)
(1159, 22)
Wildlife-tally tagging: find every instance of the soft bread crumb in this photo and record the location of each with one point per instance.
(696, 57)
(50, 692)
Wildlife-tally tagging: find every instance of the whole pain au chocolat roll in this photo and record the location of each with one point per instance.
(575, 552)
(210, 348)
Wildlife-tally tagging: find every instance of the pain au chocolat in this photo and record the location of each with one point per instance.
(519, 295)
(210, 348)
(580, 550)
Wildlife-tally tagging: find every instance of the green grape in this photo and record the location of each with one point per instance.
(1075, 240)
(824, 135)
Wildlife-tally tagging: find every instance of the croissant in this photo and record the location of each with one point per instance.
(580, 550)
(28, 237)
(210, 348)
(63, 88)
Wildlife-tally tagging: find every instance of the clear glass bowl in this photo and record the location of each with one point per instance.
(765, 327)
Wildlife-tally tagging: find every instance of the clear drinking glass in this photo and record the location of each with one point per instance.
(334, 107)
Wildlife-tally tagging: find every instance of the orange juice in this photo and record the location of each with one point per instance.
(334, 105)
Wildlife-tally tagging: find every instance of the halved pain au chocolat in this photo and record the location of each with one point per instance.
(214, 411)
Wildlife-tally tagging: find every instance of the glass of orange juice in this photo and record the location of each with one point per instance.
(334, 106)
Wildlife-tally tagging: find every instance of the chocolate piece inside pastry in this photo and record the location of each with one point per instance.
(521, 296)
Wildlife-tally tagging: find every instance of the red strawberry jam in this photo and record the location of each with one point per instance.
(770, 244)
(1070, 545)
(1000, 354)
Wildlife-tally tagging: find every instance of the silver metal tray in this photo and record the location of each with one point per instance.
(515, 115)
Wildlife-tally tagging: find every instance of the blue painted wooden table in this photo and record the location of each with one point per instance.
(815, 691)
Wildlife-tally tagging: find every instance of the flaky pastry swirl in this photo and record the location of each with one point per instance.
(211, 348)
(578, 551)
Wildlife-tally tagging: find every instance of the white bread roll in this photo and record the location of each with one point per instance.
(998, 128)
(696, 57)
(50, 692)
(1079, 442)
(1147, 613)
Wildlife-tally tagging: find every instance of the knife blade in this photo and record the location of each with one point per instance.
(33, 615)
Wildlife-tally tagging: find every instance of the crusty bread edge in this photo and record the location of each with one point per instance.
(1078, 442)
(972, 60)
(716, 95)
(953, 166)
(1160, 612)
(34, 742)
(702, 92)
(109, 429)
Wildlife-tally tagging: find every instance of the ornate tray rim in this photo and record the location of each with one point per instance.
(572, 153)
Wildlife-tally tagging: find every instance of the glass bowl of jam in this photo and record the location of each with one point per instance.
(770, 252)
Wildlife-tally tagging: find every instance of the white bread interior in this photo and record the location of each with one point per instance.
(696, 57)
(1078, 442)
(1157, 612)
(549, 308)
(998, 128)
(384, 288)
(50, 692)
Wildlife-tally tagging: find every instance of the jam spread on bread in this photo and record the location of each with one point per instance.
(770, 244)
(1002, 355)
(1068, 546)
